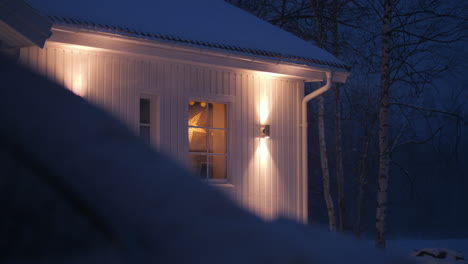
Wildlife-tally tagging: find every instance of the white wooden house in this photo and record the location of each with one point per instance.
(202, 80)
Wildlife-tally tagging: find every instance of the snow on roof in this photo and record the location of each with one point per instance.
(206, 23)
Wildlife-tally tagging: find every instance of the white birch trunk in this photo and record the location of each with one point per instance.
(362, 172)
(384, 156)
(324, 163)
(338, 132)
(317, 9)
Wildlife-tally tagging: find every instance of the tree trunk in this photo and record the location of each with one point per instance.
(324, 163)
(362, 172)
(283, 12)
(338, 132)
(384, 156)
(317, 9)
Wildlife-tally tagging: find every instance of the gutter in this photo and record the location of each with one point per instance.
(303, 179)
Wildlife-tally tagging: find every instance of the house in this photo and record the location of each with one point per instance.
(205, 82)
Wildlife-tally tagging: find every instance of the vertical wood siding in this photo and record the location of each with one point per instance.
(263, 172)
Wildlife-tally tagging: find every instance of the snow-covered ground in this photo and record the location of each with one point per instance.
(412, 247)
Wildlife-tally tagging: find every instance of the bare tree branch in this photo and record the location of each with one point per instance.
(457, 116)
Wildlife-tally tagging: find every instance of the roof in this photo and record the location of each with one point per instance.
(209, 24)
(21, 25)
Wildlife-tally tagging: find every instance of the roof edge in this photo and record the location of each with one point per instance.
(125, 31)
(98, 41)
(31, 24)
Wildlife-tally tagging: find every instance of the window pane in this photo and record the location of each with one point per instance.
(197, 139)
(144, 111)
(207, 134)
(198, 114)
(217, 141)
(218, 116)
(145, 132)
(219, 167)
(200, 165)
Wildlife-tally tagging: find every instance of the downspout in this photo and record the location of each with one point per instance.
(304, 181)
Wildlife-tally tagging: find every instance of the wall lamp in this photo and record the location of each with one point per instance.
(265, 131)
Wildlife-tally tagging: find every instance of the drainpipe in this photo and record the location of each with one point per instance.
(306, 99)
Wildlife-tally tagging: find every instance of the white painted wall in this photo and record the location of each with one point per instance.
(263, 173)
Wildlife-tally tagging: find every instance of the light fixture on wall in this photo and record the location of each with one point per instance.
(265, 131)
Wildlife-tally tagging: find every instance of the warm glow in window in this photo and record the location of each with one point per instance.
(207, 139)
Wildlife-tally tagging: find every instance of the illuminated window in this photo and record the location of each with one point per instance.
(207, 137)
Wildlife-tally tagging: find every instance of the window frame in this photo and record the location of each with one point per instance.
(154, 123)
(227, 133)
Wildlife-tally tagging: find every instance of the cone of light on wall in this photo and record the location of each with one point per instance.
(265, 131)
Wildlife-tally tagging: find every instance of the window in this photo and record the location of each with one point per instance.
(145, 118)
(207, 137)
(149, 119)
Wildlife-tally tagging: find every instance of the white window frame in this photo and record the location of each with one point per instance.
(154, 123)
(227, 139)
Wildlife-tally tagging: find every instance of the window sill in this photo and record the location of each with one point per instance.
(220, 184)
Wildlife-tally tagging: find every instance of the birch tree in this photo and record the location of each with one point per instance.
(317, 8)
(414, 36)
(338, 133)
(384, 156)
(410, 48)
